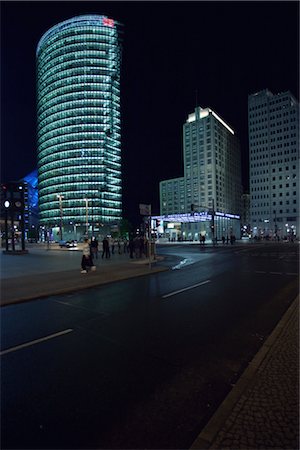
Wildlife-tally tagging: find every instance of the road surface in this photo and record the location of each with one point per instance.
(141, 363)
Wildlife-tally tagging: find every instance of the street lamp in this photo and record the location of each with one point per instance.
(60, 197)
(87, 216)
(94, 197)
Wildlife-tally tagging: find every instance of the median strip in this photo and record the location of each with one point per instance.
(37, 341)
(185, 289)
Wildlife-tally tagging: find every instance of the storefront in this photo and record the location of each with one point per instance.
(190, 227)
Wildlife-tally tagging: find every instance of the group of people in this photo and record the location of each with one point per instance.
(109, 246)
(136, 247)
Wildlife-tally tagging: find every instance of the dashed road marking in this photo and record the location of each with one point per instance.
(185, 289)
(36, 341)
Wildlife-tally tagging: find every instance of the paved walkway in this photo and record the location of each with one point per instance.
(262, 410)
(41, 273)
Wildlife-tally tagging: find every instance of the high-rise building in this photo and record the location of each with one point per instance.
(212, 162)
(212, 170)
(273, 122)
(79, 123)
(172, 196)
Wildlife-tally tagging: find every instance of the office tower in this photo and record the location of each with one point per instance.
(212, 173)
(212, 164)
(172, 196)
(78, 115)
(212, 168)
(273, 121)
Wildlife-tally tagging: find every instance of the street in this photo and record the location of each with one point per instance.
(141, 363)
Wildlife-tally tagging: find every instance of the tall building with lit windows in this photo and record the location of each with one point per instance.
(273, 123)
(79, 123)
(212, 176)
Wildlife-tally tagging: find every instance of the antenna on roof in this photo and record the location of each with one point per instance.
(196, 93)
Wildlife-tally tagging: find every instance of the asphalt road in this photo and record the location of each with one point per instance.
(141, 363)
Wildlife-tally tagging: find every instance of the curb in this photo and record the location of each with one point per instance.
(87, 284)
(211, 430)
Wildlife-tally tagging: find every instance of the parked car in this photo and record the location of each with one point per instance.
(68, 244)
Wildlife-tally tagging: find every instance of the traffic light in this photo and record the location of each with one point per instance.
(192, 207)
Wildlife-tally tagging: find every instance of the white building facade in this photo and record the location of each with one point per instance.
(273, 123)
(212, 176)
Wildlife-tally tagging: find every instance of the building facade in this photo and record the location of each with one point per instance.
(172, 196)
(79, 123)
(212, 174)
(30, 182)
(273, 121)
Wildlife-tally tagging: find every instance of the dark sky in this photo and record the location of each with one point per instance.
(224, 50)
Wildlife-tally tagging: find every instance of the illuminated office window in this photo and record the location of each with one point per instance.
(79, 122)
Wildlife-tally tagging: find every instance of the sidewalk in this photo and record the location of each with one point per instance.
(42, 273)
(262, 410)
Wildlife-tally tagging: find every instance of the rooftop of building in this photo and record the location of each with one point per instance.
(201, 113)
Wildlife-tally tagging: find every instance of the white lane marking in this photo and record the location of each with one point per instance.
(291, 273)
(178, 266)
(276, 273)
(185, 289)
(37, 341)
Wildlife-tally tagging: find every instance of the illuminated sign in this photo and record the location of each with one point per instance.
(108, 22)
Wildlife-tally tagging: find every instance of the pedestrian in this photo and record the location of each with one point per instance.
(105, 248)
(227, 239)
(223, 240)
(86, 260)
(113, 247)
(119, 247)
(142, 246)
(125, 242)
(131, 247)
(94, 247)
(136, 247)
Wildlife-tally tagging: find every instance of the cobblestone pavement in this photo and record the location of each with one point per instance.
(266, 414)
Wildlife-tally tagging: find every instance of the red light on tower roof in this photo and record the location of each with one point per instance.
(108, 22)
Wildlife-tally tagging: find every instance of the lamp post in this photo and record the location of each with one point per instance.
(94, 197)
(60, 197)
(87, 216)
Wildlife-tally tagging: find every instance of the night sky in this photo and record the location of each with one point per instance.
(224, 50)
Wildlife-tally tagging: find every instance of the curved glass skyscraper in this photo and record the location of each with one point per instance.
(78, 114)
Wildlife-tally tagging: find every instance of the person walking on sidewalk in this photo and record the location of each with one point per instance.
(87, 259)
(94, 247)
(131, 247)
(105, 251)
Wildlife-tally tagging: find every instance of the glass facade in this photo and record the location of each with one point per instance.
(79, 123)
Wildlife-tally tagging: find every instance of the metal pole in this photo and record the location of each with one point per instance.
(6, 229)
(213, 220)
(93, 215)
(149, 240)
(22, 222)
(12, 213)
(87, 217)
(60, 197)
